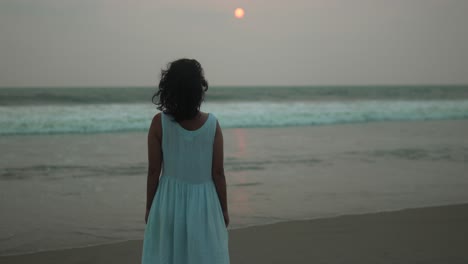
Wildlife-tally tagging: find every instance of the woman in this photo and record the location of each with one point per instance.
(186, 205)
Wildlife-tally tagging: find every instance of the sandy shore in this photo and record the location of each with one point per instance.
(422, 235)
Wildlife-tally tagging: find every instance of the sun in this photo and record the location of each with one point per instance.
(239, 13)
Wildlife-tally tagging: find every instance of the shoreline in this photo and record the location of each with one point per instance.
(57, 95)
(225, 128)
(431, 220)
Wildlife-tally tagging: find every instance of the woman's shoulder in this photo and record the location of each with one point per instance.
(209, 115)
(214, 122)
(211, 119)
(156, 125)
(156, 119)
(163, 117)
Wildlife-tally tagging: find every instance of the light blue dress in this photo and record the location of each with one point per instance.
(185, 223)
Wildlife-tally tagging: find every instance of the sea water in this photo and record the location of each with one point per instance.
(95, 110)
(73, 161)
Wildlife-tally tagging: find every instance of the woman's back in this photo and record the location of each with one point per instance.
(186, 201)
(185, 223)
(187, 154)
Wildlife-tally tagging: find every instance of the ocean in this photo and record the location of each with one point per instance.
(73, 161)
(96, 110)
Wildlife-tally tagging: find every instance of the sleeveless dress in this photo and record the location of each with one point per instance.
(185, 223)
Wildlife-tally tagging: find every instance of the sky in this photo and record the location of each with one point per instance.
(298, 42)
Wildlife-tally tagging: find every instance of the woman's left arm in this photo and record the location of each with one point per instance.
(154, 161)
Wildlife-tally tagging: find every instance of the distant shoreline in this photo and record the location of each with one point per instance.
(93, 95)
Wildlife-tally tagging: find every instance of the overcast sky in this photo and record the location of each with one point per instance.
(278, 42)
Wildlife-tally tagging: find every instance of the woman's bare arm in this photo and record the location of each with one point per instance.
(218, 169)
(154, 159)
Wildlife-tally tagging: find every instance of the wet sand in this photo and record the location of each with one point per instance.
(423, 235)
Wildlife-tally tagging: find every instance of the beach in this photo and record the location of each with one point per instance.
(424, 235)
(345, 131)
(70, 191)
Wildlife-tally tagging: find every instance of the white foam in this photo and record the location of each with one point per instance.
(94, 118)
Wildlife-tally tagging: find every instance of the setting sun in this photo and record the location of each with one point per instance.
(239, 13)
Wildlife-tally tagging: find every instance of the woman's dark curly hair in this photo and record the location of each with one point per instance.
(181, 89)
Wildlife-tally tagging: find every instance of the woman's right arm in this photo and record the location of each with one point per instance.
(154, 161)
(218, 172)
